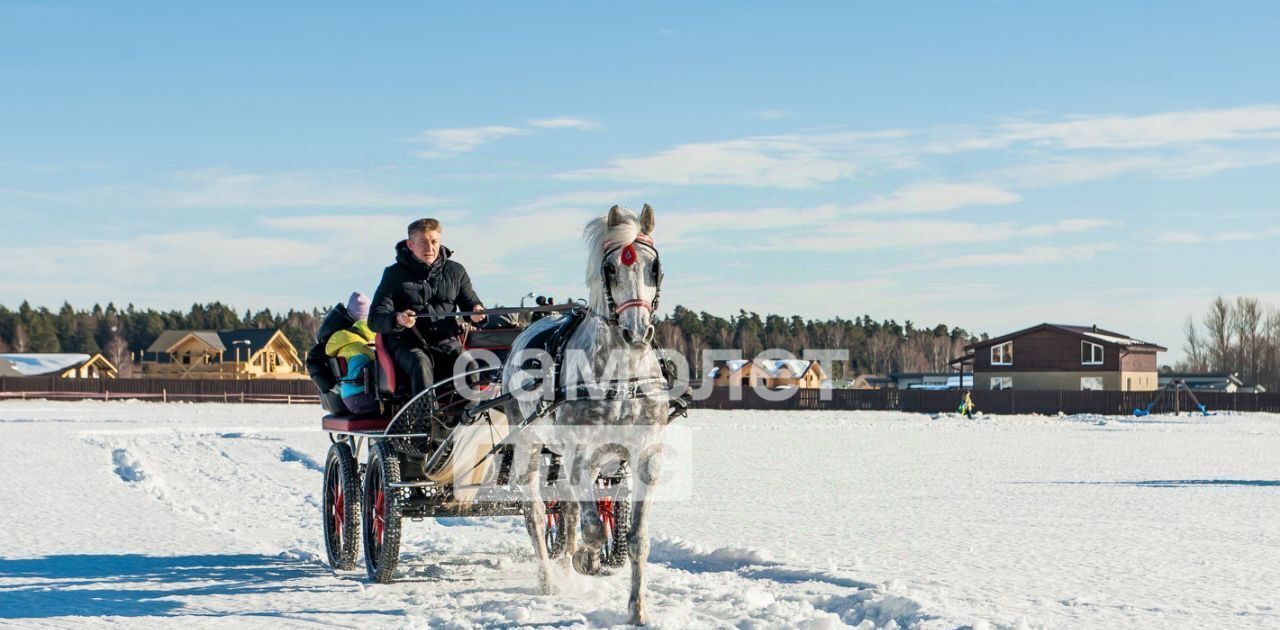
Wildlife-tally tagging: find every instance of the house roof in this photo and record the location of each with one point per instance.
(1202, 376)
(251, 340)
(39, 363)
(772, 367)
(1090, 333)
(7, 369)
(244, 342)
(170, 338)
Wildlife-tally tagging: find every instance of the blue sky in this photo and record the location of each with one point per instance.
(988, 165)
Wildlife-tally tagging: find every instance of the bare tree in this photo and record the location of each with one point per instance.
(1247, 320)
(913, 354)
(21, 342)
(1197, 359)
(117, 352)
(1218, 335)
(881, 347)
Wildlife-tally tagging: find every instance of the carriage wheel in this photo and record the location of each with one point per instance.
(341, 507)
(613, 501)
(380, 513)
(555, 530)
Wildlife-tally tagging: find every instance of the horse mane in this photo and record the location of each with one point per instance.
(599, 237)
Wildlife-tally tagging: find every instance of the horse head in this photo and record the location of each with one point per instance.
(624, 272)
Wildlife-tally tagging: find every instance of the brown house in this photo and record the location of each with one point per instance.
(233, 354)
(772, 373)
(1056, 356)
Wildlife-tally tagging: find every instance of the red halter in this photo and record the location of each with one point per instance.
(629, 258)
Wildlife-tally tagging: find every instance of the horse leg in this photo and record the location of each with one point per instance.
(569, 521)
(586, 557)
(535, 520)
(638, 541)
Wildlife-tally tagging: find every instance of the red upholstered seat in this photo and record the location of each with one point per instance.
(335, 423)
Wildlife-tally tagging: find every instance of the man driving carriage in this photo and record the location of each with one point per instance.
(423, 280)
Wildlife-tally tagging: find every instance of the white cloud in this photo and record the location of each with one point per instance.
(158, 267)
(937, 197)
(1191, 238)
(770, 114)
(597, 199)
(222, 188)
(1170, 144)
(1067, 226)
(1038, 255)
(774, 162)
(565, 123)
(1154, 130)
(450, 142)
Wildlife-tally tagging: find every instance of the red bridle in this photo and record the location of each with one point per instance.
(629, 258)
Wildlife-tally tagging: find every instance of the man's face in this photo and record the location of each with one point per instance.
(425, 246)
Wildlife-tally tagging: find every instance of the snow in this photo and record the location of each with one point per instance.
(35, 364)
(1124, 341)
(130, 514)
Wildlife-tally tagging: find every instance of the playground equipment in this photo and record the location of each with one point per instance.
(1175, 387)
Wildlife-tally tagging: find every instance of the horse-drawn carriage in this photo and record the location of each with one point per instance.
(441, 453)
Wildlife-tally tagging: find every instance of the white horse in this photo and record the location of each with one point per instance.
(612, 379)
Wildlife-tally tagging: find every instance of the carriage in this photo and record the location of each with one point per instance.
(404, 461)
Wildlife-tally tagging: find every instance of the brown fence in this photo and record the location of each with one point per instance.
(1007, 401)
(162, 389)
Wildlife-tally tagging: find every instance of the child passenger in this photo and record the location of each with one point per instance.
(352, 344)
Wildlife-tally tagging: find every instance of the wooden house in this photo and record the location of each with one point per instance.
(224, 354)
(1056, 356)
(62, 365)
(771, 373)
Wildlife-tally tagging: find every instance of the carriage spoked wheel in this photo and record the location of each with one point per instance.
(341, 507)
(555, 530)
(613, 501)
(380, 513)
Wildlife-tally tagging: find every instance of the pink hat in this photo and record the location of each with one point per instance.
(358, 306)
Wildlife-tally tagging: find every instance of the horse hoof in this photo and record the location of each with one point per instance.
(586, 561)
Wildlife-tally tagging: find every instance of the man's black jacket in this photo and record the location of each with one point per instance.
(411, 284)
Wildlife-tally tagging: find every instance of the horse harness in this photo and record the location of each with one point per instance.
(628, 258)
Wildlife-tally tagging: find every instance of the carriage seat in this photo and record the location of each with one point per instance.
(350, 423)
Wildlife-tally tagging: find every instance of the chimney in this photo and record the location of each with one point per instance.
(1095, 328)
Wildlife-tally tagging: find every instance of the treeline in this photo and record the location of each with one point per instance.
(118, 333)
(1240, 337)
(875, 347)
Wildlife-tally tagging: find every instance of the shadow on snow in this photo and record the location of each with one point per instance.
(137, 585)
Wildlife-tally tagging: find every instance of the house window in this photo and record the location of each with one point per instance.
(186, 359)
(1090, 353)
(1002, 354)
(1091, 384)
(1002, 382)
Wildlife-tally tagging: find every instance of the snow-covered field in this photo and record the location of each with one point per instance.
(136, 514)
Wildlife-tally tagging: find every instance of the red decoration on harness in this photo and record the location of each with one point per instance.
(629, 255)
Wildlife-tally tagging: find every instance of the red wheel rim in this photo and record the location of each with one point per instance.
(379, 515)
(605, 508)
(337, 509)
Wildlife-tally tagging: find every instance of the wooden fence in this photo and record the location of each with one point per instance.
(161, 389)
(1007, 401)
